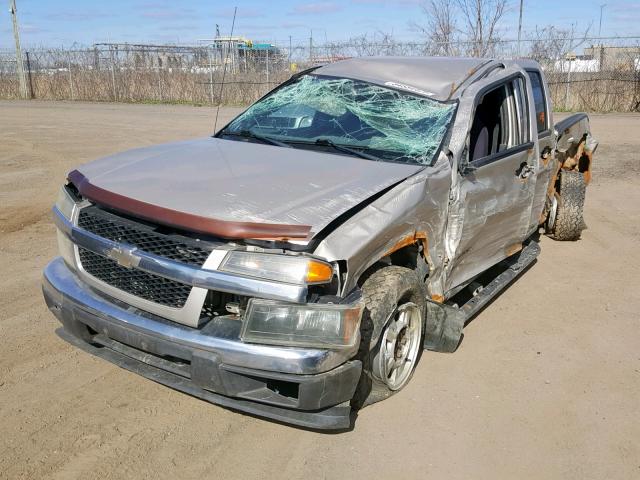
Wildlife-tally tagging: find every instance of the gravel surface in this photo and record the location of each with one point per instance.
(546, 383)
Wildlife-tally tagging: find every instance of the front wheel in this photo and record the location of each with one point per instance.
(399, 347)
(392, 333)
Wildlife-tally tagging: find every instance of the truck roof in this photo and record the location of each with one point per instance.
(436, 77)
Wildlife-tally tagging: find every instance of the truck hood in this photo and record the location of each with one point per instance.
(236, 189)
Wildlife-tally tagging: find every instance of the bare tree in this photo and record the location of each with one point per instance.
(481, 18)
(551, 43)
(471, 24)
(440, 28)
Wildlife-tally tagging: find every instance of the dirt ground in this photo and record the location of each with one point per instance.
(546, 383)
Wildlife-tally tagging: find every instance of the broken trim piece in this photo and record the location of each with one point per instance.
(196, 223)
(444, 323)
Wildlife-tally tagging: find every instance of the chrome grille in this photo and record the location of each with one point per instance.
(136, 282)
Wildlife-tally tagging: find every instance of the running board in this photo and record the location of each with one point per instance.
(443, 330)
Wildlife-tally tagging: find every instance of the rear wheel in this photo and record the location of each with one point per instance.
(565, 220)
(392, 333)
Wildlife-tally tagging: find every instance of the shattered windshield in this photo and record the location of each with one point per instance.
(350, 116)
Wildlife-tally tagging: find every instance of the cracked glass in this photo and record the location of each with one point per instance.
(370, 120)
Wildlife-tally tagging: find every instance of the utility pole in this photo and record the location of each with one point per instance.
(520, 27)
(19, 62)
(600, 25)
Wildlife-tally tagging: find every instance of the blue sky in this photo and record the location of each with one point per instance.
(65, 22)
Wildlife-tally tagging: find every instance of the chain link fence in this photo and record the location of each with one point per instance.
(605, 76)
(146, 73)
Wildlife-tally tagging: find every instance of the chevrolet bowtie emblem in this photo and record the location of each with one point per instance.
(125, 256)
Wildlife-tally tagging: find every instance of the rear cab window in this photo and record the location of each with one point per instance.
(539, 100)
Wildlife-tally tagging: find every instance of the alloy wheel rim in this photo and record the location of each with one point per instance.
(400, 346)
(553, 212)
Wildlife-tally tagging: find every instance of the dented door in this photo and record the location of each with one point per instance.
(545, 164)
(492, 203)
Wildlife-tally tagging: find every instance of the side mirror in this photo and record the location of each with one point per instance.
(466, 168)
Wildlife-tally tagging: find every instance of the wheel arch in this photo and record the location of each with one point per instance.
(409, 250)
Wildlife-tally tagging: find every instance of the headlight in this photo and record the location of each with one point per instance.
(280, 268)
(309, 325)
(65, 203)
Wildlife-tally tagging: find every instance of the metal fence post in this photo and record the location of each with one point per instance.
(113, 75)
(70, 77)
(31, 94)
(268, 67)
(160, 96)
(209, 47)
(566, 90)
(636, 97)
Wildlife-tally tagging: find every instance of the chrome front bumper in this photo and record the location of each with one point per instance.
(304, 386)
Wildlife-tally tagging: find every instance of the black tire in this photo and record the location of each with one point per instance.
(569, 221)
(384, 290)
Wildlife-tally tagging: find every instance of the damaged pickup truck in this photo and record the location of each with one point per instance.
(295, 264)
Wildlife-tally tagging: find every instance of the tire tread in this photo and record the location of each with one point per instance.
(569, 222)
(381, 290)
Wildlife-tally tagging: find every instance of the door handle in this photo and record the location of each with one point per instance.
(525, 171)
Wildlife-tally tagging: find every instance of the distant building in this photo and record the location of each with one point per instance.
(615, 58)
(577, 63)
(241, 53)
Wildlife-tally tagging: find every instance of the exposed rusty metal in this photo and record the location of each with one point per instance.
(417, 237)
(437, 298)
(470, 73)
(513, 249)
(551, 191)
(403, 242)
(579, 160)
(424, 240)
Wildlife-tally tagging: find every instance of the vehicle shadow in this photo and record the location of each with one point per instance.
(485, 278)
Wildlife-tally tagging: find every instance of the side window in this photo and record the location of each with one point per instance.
(539, 100)
(499, 122)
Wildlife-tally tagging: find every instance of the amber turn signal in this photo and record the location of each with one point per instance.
(318, 272)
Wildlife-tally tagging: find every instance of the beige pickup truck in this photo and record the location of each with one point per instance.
(296, 264)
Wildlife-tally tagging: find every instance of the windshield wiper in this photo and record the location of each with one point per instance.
(343, 148)
(255, 136)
